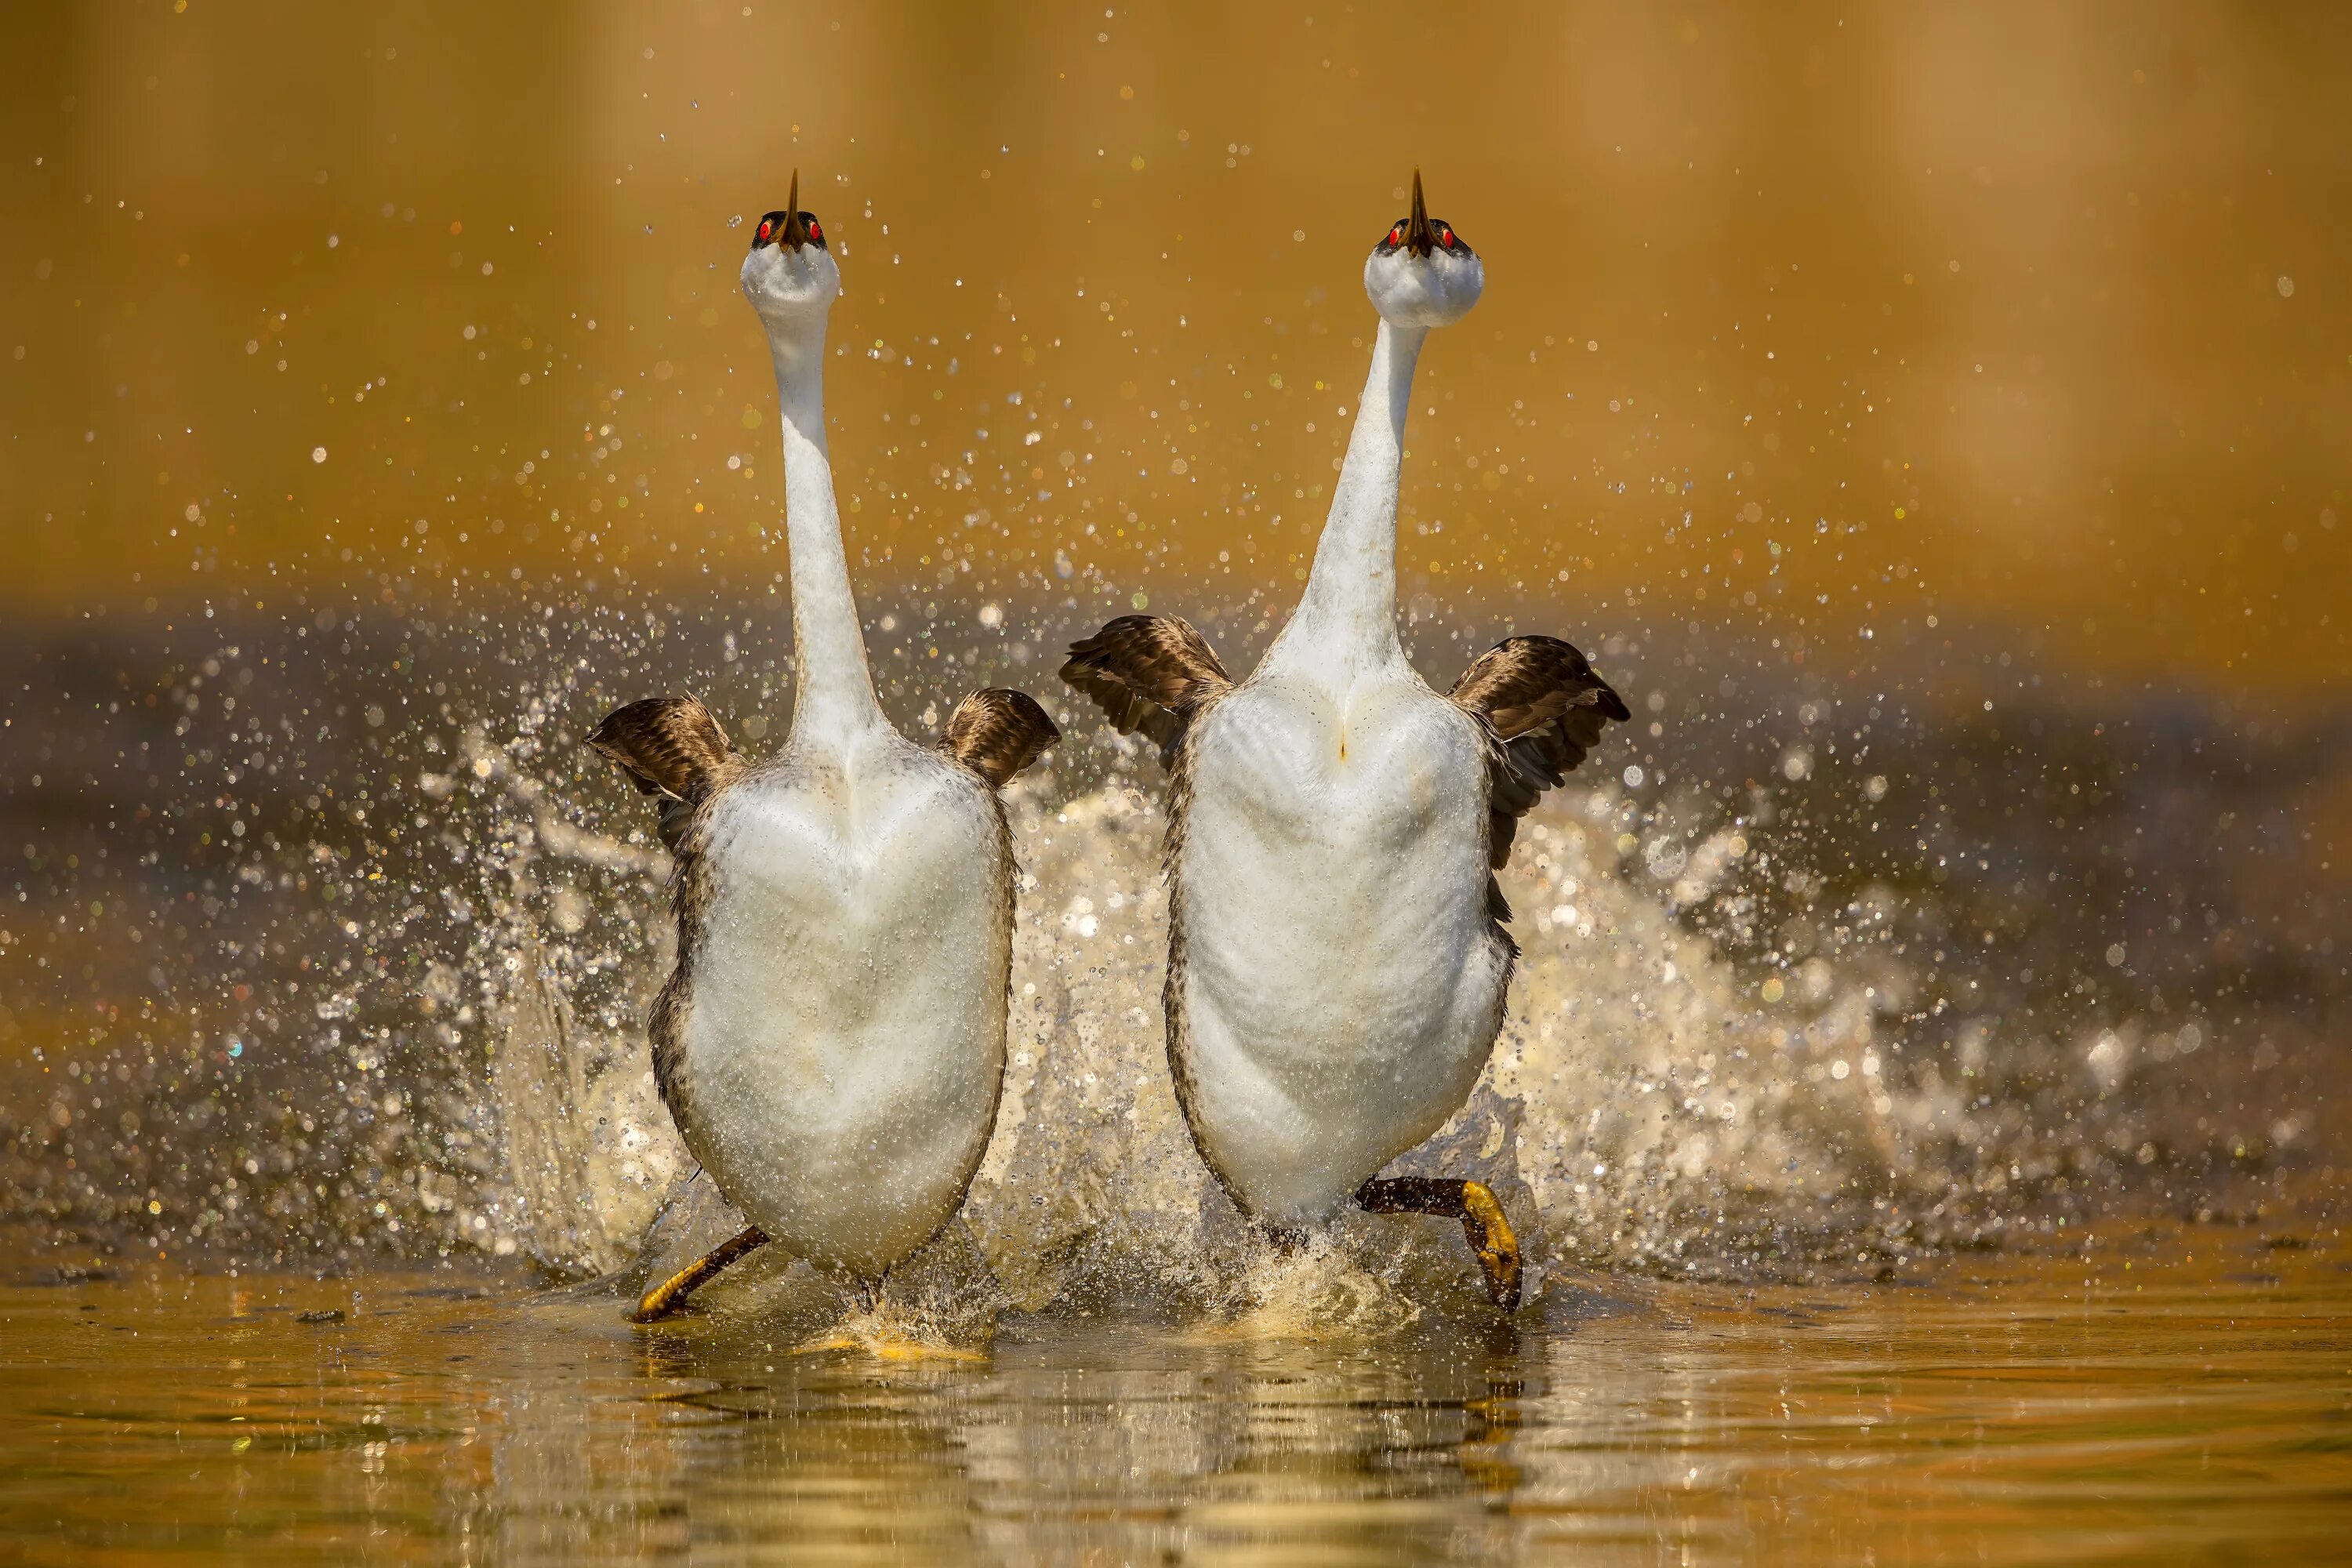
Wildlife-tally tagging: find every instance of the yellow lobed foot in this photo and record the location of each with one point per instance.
(1490, 1237)
(1472, 1203)
(885, 1336)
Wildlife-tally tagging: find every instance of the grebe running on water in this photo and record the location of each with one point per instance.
(831, 1042)
(1337, 958)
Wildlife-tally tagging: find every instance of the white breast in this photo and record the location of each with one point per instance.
(844, 1044)
(1342, 982)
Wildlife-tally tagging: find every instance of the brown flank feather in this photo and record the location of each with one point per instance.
(1171, 989)
(673, 749)
(997, 733)
(1149, 673)
(1157, 675)
(1543, 709)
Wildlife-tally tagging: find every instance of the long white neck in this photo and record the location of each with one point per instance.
(1348, 613)
(835, 699)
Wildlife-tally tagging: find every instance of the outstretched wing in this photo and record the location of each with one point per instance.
(997, 733)
(1545, 709)
(1149, 673)
(673, 749)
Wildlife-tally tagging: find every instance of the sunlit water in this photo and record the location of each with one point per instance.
(2145, 1394)
(1850, 1000)
(1956, 502)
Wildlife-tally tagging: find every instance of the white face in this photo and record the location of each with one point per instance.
(1423, 274)
(791, 285)
(1435, 290)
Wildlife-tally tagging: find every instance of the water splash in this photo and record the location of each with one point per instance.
(393, 1002)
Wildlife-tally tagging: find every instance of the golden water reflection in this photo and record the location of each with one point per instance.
(2157, 1393)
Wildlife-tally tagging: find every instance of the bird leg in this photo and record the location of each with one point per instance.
(1472, 1203)
(668, 1298)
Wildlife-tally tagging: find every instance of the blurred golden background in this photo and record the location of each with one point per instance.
(2031, 317)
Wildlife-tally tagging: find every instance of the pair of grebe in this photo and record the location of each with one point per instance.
(831, 1042)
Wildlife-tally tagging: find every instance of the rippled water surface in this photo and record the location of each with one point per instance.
(2160, 1391)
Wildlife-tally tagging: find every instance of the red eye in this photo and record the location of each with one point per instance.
(815, 232)
(1447, 235)
(764, 228)
(1396, 234)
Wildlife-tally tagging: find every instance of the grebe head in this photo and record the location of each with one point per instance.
(790, 276)
(1423, 274)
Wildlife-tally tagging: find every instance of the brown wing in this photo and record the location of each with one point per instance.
(1544, 708)
(997, 733)
(1149, 673)
(671, 747)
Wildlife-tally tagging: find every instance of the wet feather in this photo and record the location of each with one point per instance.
(996, 733)
(1152, 674)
